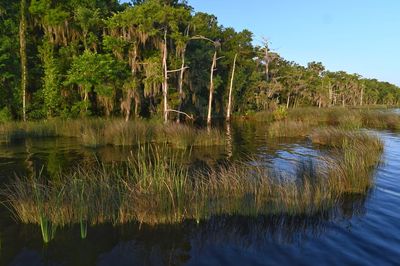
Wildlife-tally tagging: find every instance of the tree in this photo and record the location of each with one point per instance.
(10, 63)
(229, 108)
(22, 44)
(158, 58)
(96, 74)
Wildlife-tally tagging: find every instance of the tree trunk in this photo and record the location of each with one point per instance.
(181, 76)
(137, 101)
(362, 96)
(288, 102)
(229, 109)
(86, 100)
(165, 82)
(295, 101)
(24, 69)
(330, 94)
(266, 64)
(210, 98)
(85, 40)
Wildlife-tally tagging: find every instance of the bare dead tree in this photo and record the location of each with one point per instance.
(229, 109)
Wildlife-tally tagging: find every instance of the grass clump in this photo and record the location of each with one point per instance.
(355, 155)
(14, 131)
(337, 138)
(345, 118)
(155, 187)
(287, 128)
(381, 120)
(100, 132)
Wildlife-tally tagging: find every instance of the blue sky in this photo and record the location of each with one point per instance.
(358, 36)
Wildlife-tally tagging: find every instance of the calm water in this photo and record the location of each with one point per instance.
(360, 231)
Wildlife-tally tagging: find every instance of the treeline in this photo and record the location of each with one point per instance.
(153, 58)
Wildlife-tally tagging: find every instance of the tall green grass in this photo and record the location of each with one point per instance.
(355, 155)
(155, 186)
(344, 118)
(100, 132)
(301, 122)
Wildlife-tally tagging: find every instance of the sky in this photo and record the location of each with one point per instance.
(358, 36)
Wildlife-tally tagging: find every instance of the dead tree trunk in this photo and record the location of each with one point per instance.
(362, 96)
(229, 109)
(165, 75)
(266, 63)
(210, 98)
(288, 102)
(181, 76)
(330, 94)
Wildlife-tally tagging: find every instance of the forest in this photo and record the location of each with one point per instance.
(154, 59)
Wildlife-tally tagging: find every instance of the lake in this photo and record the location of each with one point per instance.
(361, 230)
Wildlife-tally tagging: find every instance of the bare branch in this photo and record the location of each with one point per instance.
(177, 70)
(183, 113)
(201, 37)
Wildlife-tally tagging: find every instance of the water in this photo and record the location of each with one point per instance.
(360, 231)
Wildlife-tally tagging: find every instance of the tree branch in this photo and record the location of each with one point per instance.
(183, 113)
(177, 70)
(201, 37)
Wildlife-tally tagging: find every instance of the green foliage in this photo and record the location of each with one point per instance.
(90, 51)
(5, 115)
(51, 80)
(99, 74)
(280, 113)
(9, 56)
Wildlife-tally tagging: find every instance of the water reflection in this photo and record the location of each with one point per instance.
(136, 244)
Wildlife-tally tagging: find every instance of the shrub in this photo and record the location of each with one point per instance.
(5, 115)
(280, 113)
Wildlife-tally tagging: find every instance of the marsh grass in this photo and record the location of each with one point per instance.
(355, 155)
(301, 122)
(155, 187)
(381, 120)
(345, 118)
(14, 131)
(100, 132)
(287, 128)
(297, 122)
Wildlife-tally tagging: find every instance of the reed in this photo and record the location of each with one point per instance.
(345, 118)
(338, 138)
(288, 129)
(154, 186)
(100, 132)
(380, 120)
(355, 155)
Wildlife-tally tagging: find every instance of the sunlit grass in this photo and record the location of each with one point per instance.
(156, 187)
(100, 132)
(287, 128)
(340, 117)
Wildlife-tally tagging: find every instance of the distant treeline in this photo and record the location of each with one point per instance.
(153, 58)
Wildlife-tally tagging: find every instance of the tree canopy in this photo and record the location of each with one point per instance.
(94, 57)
